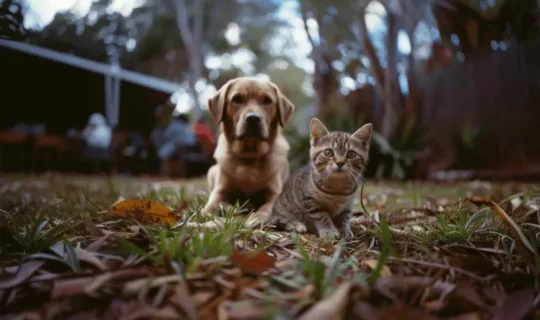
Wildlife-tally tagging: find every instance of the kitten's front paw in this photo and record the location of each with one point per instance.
(349, 234)
(295, 226)
(329, 233)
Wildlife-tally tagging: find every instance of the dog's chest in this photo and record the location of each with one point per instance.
(248, 179)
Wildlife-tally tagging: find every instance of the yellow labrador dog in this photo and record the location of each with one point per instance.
(251, 153)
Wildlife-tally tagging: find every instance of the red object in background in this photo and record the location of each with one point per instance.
(206, 137)
(441, 57)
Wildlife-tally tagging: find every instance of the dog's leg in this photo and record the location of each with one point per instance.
(211, 177)
(216, 197)
(263, 213)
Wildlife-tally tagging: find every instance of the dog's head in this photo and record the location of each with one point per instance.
(250, 112)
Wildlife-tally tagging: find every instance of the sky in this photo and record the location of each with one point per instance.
(43, 11)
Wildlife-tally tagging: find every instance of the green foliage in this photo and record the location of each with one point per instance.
(394, 158)
(184, 248)
(30, 233)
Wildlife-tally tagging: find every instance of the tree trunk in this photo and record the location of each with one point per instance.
(192, 38)
(385, 84)
(393, 108)
(317, 56)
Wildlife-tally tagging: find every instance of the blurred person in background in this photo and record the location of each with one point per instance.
(97, 134)
(206, 136)
(172, 138)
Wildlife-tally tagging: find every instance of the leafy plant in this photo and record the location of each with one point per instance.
(31, 233)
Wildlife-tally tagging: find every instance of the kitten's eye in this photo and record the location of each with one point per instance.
(328, 152)
(351, 154)
(238, 99)
(267, 100)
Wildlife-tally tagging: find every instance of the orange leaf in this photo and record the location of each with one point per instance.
(144, 211)
(253, 262)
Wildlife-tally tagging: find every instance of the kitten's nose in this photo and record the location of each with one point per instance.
(340, 164)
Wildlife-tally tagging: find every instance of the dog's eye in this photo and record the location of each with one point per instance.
(351, 154)
(267, 100)
(328, 152)
(238, 99)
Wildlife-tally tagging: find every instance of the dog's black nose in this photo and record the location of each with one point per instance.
(253, 118)
(340, 164)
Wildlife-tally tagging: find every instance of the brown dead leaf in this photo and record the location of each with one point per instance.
(389, 286)
(372, 264)
(149, 312)
(144, 211)
(92, 228)
(23, 272)
(98, 243)
(242, 310)
(516, 306)
(91, 258)
(70, 287)
(253, 262)
(98, 282)
(333, 307)
(181, 300)
(364, 310)
(135, 286)
(468, 316)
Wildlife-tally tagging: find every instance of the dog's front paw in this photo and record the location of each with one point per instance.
(211, 210)
(256, 219)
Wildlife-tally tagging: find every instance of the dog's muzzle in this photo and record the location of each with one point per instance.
(253, 127)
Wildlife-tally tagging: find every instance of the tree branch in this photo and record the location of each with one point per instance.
(303, 11)
(374, 63)
(182, 21)
(198, 13)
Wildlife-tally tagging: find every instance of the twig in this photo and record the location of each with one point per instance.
(438, 265)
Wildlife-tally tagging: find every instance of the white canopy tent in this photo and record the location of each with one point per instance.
(113, 75)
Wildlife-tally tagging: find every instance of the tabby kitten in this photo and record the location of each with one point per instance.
(320, 195)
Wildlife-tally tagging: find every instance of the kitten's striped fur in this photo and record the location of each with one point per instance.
(320, 195)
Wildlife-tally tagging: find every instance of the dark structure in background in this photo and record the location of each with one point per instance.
(11, 21)
(484, 114)
(39, 90)
(59, 92)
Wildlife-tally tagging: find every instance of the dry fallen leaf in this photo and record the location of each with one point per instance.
(516, 306)
(253, 262)
(23, 273)
(332, 307)
(372, 264)
(144, 211)
(182, 301)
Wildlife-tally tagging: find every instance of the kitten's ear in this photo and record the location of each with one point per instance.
(364, 134)
(317, 131)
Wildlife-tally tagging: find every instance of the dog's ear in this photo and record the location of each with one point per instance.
(218, 102)
(285, 106)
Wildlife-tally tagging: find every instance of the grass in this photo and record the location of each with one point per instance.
(418, 253)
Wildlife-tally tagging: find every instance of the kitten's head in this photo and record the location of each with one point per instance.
(339, 153)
